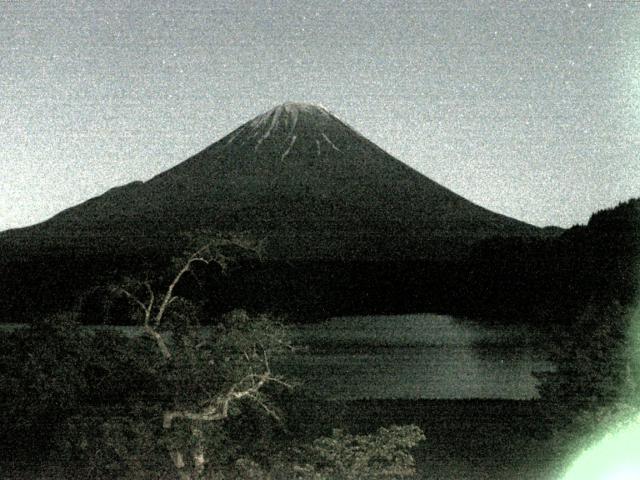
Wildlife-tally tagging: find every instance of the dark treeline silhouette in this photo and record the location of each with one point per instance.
(594, 388)
(556, 277)
(539, 279)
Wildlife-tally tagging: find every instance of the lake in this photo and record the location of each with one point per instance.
(418, 356)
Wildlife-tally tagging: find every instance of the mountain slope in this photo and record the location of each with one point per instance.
(300, 177)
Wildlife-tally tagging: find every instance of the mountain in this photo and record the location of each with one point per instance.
(347, 228)
(299, 177)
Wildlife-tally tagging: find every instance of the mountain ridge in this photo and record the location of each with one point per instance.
(295, 173)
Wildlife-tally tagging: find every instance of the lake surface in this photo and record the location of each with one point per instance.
(416, 356)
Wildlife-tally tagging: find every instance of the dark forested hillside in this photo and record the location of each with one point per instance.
(518, 278)
(554, 277)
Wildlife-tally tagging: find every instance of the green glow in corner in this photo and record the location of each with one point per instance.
(615, 457)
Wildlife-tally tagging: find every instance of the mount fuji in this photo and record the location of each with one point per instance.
(299, 177)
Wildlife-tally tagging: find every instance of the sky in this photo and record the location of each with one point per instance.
(530, 109)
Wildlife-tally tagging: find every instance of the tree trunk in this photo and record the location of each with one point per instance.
(178, 462)
(198, 453)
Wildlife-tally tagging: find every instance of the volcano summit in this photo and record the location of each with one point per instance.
(299, 177)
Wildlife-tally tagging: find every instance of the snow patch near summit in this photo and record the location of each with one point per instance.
(286, 152)
(331, 143)
(274, 122)
(284, 122)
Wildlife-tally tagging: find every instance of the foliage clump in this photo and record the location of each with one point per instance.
(183, 395)
(382, 455)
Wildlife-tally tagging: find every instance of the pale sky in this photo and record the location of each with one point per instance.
(531, 109)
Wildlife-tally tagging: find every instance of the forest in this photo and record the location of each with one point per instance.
(179, 400)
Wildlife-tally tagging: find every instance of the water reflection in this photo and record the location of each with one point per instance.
(417, 356)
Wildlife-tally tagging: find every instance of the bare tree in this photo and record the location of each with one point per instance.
(221, 367)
